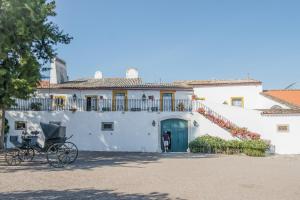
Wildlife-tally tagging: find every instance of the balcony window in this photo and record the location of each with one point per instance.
(59, 101)
(91, 103)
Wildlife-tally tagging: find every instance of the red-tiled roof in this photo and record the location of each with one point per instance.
(280, 112)
(43, 84)
(290, 97)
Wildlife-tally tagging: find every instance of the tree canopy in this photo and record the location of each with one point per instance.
(28, 39)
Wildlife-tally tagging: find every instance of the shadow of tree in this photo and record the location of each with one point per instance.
(88, 194)
(88, 160)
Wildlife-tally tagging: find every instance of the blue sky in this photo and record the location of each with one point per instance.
(177, 39)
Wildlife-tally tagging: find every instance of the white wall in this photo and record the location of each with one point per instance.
(251, 94)
(266, 126)
(133, 130)
(58, 72)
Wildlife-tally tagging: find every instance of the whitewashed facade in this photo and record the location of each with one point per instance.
(137, 113)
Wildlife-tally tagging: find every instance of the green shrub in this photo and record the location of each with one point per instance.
(212, 144)
(208, 144)
(255, 147)
(234, 146)
(199, 146)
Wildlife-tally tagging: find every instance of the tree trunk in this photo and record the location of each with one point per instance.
(2, 128)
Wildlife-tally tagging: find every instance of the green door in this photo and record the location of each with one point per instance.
(178, 131)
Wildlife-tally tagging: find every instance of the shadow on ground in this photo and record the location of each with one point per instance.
(89, 160)
(77, 194)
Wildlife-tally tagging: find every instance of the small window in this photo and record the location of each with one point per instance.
(237, 101)
(55, 122)
(283, 128)
(20, 125)
(107, 126)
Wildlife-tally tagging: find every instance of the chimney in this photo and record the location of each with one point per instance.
(58, 72)
(98, 75)
(132, 73)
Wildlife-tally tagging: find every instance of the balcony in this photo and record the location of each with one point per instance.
(105, 105)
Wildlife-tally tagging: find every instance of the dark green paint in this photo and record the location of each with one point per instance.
(179, 134)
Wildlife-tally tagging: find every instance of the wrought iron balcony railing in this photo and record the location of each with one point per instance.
(104, 105)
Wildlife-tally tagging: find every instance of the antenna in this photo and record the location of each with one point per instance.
(290, 85)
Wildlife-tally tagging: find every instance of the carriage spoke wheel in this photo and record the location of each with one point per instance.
(55, 155)
(27, 154)
(70, 152)
(12, 157)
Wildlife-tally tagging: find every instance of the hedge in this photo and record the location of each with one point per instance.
(212, 144)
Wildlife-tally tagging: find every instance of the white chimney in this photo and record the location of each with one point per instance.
(132, 73)
(98, 75)
(58, 71)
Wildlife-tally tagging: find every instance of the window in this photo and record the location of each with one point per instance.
(20, 125)
(237, 101)
(107, 126)
(59, 101)
(283, 128)
(91, 103)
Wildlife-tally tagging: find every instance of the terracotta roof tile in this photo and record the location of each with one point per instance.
(280, 111)
(290, 97)
(43, 84)
(110, 83)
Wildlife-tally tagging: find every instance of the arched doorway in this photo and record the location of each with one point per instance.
(178, 132)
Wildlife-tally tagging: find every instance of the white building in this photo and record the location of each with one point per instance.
(126, 114)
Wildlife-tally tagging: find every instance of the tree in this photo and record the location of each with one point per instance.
(27, 41)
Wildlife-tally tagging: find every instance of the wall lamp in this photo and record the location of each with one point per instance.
(196, 124)
(153, 123)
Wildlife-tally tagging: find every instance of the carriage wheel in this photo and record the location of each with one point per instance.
(55, 155)
(12, 157)
(71, 152)
(27, 154)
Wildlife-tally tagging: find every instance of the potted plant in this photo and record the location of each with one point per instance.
(180, 107)
(36, 106)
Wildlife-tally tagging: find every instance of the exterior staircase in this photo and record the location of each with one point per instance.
(226, 124)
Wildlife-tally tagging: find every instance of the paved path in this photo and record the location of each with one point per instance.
(112, 176)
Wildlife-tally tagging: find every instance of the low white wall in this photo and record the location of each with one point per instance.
(133, 131)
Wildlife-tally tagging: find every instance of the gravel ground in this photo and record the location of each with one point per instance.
(112, 176)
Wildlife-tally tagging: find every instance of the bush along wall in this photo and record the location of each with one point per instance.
(211, 144)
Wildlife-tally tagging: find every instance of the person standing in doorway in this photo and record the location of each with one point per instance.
(166, 140)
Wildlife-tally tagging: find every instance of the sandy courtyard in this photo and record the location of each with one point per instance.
(154, 176)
